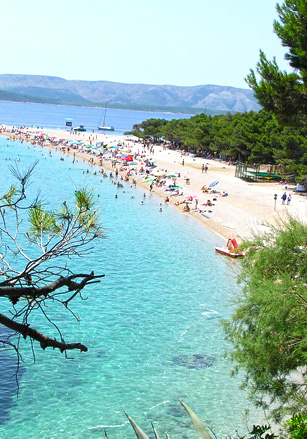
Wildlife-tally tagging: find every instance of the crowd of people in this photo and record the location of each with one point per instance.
(185, 185)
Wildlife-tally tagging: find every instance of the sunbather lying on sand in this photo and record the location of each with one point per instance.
(208, 203)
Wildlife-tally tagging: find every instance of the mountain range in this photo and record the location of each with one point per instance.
(212, 99)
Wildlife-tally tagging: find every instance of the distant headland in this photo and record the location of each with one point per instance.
(211, 99)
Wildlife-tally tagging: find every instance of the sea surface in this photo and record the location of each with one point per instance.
(152, 325)
(54, 116)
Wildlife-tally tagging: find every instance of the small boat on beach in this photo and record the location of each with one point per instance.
(80, 128)
(231, 249)
(226, 252)
(104, 127)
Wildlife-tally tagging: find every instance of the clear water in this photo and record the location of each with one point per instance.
(53, 116)
(152, 325)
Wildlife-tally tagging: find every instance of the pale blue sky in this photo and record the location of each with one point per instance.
(177, 42)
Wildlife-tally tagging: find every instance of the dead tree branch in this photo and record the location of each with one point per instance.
(44, 341)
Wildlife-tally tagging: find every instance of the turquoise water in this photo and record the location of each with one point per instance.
(152, 325)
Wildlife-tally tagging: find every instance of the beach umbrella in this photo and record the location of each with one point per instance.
(172, 176)
(214, 183)
(128, 158)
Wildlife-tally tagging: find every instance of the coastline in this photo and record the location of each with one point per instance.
(247, 209)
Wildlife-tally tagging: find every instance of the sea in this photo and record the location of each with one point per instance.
(152, 325)
(55, 116)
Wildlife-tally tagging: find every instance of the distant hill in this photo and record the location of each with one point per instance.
(14, 97)
(212, 99)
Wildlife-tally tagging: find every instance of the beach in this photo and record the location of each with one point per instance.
(232, 207)
(152, 325)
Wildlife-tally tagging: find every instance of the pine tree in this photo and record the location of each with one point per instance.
(285, 94)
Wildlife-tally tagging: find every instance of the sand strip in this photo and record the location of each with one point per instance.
(247, 208)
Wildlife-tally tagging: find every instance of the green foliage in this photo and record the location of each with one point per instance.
(268, 327)
(259, 431)
(86, 215)
(252, 137)
(282, 93)
(8, 196)
(297, 426)
(42, 221)
(82, 215)
(150, 128)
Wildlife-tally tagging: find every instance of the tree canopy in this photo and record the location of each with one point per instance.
(252, 137)
(268, 327)
(280, 92)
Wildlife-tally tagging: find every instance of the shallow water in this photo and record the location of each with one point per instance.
(152, 325)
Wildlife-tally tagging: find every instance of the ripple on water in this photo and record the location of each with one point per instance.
(150, 338)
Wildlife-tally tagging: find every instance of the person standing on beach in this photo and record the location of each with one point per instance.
(289, 199)
(283, 198)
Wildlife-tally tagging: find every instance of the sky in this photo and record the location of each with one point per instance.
(176, 42)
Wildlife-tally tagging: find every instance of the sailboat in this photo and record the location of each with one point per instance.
(104, 127)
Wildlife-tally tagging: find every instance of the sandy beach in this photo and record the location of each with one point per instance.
(246, 209)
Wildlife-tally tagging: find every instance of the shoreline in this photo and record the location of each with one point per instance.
(247, 209)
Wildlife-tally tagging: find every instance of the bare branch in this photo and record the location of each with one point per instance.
(44, 341)
(33, 292)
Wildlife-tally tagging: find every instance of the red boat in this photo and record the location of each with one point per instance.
(230, 250)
